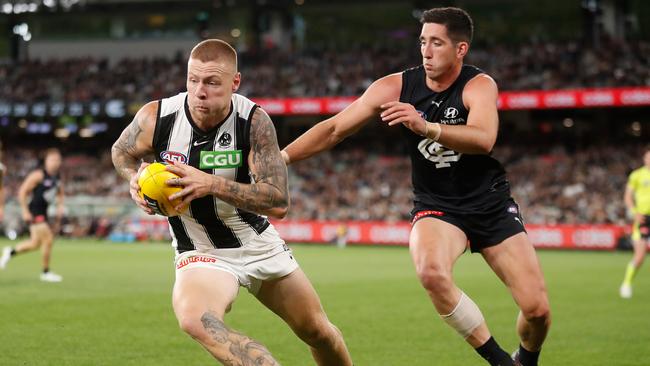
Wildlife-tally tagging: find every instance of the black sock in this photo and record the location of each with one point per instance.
(494, 354)
(528, 358)
(13, 252)
(46, 269)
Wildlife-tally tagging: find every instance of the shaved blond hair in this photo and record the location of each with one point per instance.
(215, 50)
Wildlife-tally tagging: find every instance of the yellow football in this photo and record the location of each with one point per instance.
(155, 191)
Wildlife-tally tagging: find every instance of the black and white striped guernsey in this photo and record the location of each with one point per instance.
(209, 222)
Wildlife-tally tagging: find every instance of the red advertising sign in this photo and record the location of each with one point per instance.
(535, 99)
(593, 237)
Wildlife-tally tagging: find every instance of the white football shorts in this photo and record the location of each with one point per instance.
(264, 258)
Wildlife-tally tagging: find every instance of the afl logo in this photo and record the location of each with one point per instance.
(422, 114)
(451, 113)
(173, 156)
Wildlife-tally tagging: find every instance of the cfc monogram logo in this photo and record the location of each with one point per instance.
(438, 154)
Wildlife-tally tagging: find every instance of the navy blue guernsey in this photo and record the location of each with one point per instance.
(44, 194)
(443, 178)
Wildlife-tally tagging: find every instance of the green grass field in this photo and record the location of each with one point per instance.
(113, 308)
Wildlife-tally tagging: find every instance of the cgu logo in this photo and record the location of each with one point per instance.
(221, 159)
(173, 157)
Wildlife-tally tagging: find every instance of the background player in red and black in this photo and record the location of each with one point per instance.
(448, 111)
(45, 186)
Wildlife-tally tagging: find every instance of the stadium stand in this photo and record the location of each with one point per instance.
(278, 73)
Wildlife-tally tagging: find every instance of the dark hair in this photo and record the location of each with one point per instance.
(460, 26)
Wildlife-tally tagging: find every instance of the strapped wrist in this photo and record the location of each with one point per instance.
(438, 132)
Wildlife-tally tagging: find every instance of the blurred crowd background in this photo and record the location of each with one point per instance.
(278, 73)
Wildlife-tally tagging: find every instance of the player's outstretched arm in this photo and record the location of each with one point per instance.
(326, 134)
(267, 195)
(26, 188)
(476, 137)
(132, 146)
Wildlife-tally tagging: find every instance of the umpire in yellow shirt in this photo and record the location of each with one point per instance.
(637, 201)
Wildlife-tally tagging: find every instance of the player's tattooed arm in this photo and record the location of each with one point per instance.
(134, 145)
(269, 193)
(135, 142)
(241, 349)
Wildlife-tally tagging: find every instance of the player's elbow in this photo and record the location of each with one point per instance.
(116, 152)
(280, 206)
(484, 143)
(279, 212)
(336, 132)
(115, 148)
(477, 148)
(484, 147)
(335, 137)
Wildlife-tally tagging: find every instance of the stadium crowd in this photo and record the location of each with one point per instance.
(306, 73)
(551, 185)
(83, 174)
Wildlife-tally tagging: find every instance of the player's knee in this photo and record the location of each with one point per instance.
(33, 244)
(639, 257)
(190, 323)
(638, 261)
(317, 333)
(435, 278)
(537, 311)
(192, 326)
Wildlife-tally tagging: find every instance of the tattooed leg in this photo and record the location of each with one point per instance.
(231, 347)
(201, 297)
